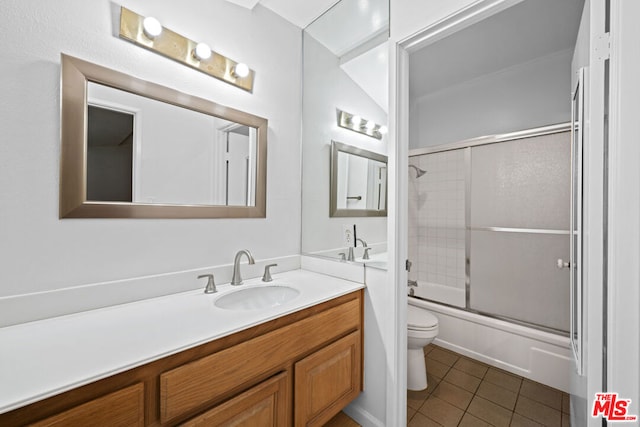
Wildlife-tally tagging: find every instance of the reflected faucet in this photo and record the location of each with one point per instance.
(236, 279)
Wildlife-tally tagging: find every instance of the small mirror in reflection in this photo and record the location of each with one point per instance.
(358, 182)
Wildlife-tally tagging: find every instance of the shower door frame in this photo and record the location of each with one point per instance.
(467, 145)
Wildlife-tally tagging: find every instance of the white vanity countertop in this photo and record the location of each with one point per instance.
(44, 358)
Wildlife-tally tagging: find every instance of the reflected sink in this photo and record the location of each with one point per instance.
(256, 298)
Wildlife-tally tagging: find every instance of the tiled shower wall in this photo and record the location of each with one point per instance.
(437, 219)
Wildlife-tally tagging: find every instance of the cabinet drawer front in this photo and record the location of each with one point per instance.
(265, 405)
(191, 386)
(327, 380)
(121, 408)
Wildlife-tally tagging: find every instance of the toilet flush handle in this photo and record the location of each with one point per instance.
(562, 263)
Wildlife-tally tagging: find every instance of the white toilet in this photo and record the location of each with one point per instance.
(422, 329)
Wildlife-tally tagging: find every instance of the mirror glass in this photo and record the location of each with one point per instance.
(358, 182)
(135, 149)
(145, 151)
(345, 67)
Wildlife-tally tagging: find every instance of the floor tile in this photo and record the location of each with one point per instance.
(490, 412)
(503, 379)
(455, 395)
(542, 393)
(436, 368)
(443, 356)
(496, 394)
(471, 367)
(341, 420)
(520, 421)
(410, 413)
(428, 348)
(415, 399)
(420, 420)
(538, 412)
(469, 420)
(566, 403)
(462, 380)
(442, 412)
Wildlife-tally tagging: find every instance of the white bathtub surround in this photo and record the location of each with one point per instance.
(540, 356)
(114, 339)
(43, 305)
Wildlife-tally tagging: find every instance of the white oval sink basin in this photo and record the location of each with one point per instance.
(257, 298)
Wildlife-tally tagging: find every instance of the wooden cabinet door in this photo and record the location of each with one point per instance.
(327, 380)
(265, 405)
(123, 408)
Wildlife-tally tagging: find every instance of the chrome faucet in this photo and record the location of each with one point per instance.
(236, 279)
(412, 284)
(365, 254)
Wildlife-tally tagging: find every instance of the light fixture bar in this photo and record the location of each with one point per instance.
(181, 49)
(358, 124)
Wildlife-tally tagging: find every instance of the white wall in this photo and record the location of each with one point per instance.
(327, 87)
(40, 252)
(410, 16)
(523, 96)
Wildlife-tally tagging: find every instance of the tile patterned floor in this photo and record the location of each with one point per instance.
(464, 392)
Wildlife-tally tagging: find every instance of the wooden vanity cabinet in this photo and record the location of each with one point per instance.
(122, 408)
(300, 369)
(327, 380)
(267, 404)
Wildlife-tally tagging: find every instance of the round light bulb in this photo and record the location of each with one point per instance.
(370, 125)
(241, 70)
(151, 27)
(383, 130)
(355, 120)
(202, 51)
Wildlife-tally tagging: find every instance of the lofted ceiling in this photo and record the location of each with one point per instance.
(355, 31)
(299, 12)
(529, 30)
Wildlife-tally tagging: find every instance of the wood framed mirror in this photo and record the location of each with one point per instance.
(134, 149)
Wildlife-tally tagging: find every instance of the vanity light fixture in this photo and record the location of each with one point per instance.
(202, 51)
(151, 27)
(150, 34)
(357, 124)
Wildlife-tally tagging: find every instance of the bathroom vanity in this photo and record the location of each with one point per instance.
(297, 368)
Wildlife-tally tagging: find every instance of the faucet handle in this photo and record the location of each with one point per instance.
(366, 253)
(266, 277)
(343, 256)
(211, 285)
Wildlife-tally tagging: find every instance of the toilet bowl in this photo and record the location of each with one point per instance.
(422, 328)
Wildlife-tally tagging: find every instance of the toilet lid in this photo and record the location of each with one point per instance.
(418, 318)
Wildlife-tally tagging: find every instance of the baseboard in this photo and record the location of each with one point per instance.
(362, 416)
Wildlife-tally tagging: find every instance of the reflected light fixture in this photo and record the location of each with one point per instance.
(356, 123)
(147, 32)
(241, 70)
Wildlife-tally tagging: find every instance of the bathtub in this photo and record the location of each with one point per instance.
(538, 355)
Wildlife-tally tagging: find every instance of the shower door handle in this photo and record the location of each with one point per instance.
(560, 263)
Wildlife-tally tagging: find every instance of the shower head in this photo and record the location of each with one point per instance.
(419, 172)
